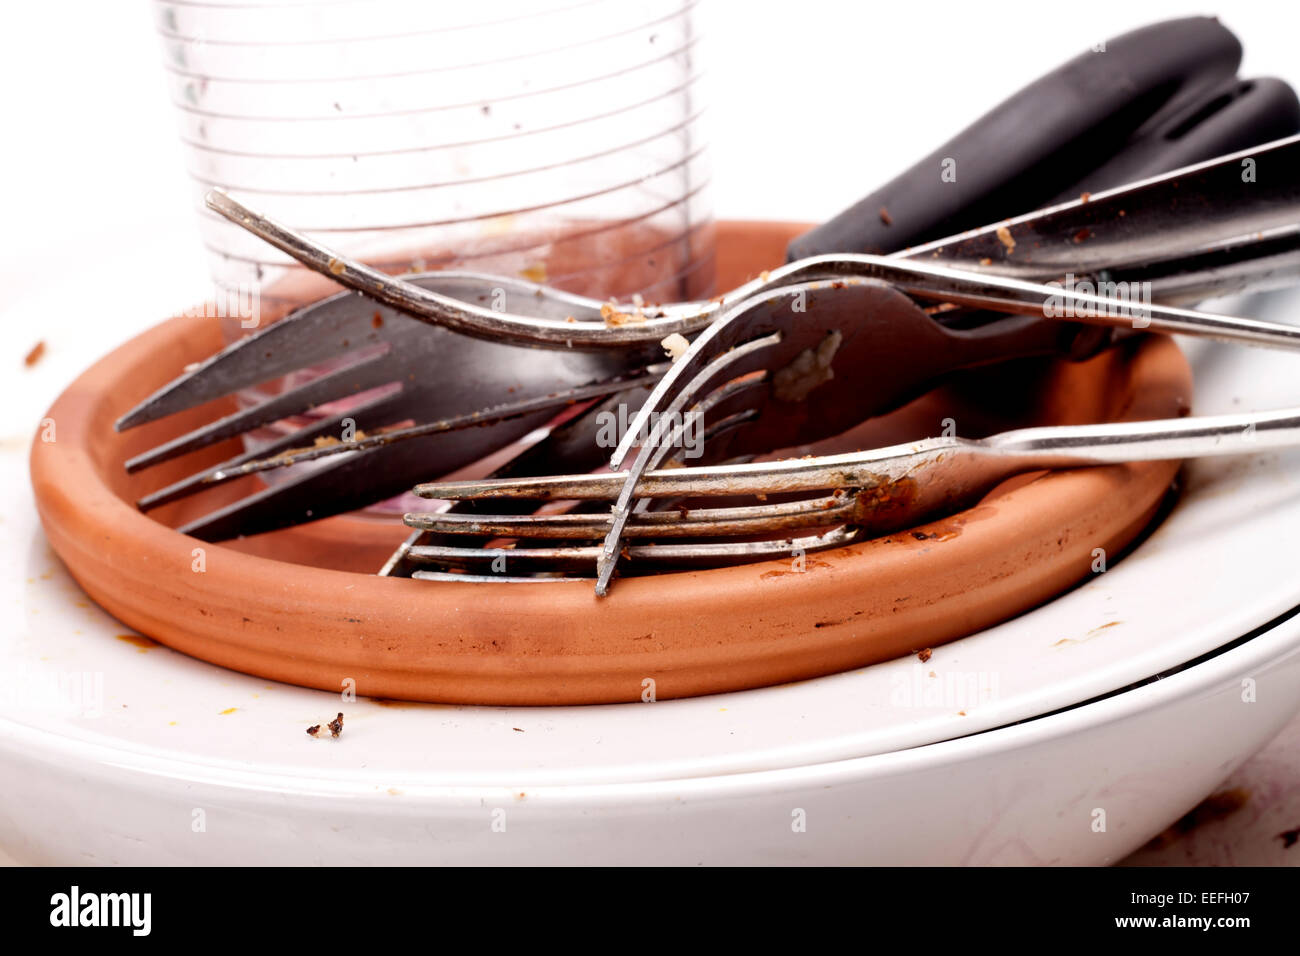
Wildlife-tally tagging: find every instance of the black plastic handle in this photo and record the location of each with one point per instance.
(1037, 143)
(1231, 116)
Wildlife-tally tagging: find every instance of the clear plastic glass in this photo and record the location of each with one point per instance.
(559, 140)
(556, 139)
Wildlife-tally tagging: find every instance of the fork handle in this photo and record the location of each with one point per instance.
(1159, 440)
(1057, 301)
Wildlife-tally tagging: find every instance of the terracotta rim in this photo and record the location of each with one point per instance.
(253, 610)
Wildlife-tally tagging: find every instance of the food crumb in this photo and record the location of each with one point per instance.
(614, 318)
(924, 654)
(885, 217)
(1008, 240)
(145, 644)
(228, 710)
(35, 355)
(986, 261)
(675, 345)
(335, 726)
(1085, 196)
(336, 267)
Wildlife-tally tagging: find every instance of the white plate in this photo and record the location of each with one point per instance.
(1086, 786)
(1221, 564)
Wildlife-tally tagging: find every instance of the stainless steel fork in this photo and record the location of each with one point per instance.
(853, 496)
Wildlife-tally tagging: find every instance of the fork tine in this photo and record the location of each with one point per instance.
(723, 348)
(483, 417)
(354, 481)
(709, 357)
(679, 523)
(546, 560)
(569, 446)
(369, 415)
(343, 383)
(311, 336)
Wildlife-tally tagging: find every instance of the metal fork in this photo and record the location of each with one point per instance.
(763, 377)
(858, 495)
(1216, 231)
(1219, 236)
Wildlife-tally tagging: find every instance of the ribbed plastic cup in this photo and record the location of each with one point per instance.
(559, 140)
(506, 136)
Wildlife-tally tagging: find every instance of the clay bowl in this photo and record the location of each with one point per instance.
(303, 605)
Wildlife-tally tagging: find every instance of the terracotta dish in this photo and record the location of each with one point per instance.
(303, 606)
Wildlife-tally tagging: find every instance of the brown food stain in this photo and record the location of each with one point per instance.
(809, 563)
(146, 644)
(1008, 240)
(1087, 637)
(1217, 806)
(943, 534)
(35, 355)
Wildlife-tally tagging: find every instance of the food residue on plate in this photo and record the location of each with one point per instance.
(145, 644)
(35, 355)
(335, 726)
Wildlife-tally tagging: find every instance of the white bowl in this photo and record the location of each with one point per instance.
(1084, 786)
